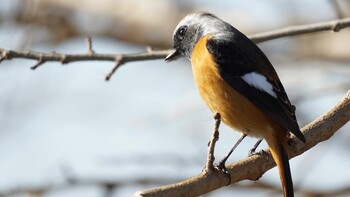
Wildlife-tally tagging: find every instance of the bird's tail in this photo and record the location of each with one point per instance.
(281, 158)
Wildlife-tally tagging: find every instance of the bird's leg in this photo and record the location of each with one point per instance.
(252, 151)
(209, 167)
(262, 152)
(221, 166)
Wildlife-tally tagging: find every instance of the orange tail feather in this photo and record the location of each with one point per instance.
(281, 158)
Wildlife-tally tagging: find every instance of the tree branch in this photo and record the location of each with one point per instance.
(120, 59)
(335, 26)
(253, 167)
(106, 184)
(209, 167)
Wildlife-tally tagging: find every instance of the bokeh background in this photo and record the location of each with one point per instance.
(64, 131)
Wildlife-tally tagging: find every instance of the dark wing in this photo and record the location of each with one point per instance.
(236, 56)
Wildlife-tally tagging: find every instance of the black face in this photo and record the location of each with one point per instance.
(180, 34)
(179, 46)
(185, 38)
(179, 38)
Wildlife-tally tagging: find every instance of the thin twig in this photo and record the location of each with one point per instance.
(69, 58)
(40, 190)
(118, 62)
(89, 45)
(209, 167)
(335, 26)
(149, 49)
(39, 63)
(252, 168)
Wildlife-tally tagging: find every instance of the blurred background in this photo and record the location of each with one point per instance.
(64, 131)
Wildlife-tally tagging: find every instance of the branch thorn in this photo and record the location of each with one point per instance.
(63, 59)
(89, 45)
(118, 62)
(39, 63)
(149, 49)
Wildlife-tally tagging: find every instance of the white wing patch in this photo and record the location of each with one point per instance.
(260, 82)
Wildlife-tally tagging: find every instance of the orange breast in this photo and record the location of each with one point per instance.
(236, 111)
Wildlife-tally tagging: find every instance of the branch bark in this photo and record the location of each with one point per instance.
(335, 26)
(253, 167)
(120, 59)
(209, 166)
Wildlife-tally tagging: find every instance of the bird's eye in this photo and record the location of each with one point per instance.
(181, 32)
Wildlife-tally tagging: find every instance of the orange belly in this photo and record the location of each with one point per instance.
(236, 111)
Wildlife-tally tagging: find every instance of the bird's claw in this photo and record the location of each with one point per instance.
(222, 168)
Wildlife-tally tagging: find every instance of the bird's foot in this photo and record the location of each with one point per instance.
(262, 152)
(254, 152)
(222, 168)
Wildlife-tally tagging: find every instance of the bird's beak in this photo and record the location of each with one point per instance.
(172, 56)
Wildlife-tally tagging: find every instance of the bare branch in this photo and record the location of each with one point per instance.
(335, 26)
(209, 167)
(118, 62)
(69, 58)
(253, 167)
(149, 49)
(107, 184)
(89, 45)
(39, 63)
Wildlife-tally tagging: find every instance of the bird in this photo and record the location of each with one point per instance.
(236, 79)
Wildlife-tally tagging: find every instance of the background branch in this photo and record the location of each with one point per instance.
(252, 168)
(120, 59)
(110, 187)
(335, 26)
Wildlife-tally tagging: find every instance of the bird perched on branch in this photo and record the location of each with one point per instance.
(236, 80)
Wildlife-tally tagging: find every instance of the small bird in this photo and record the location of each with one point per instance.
(236, 80)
